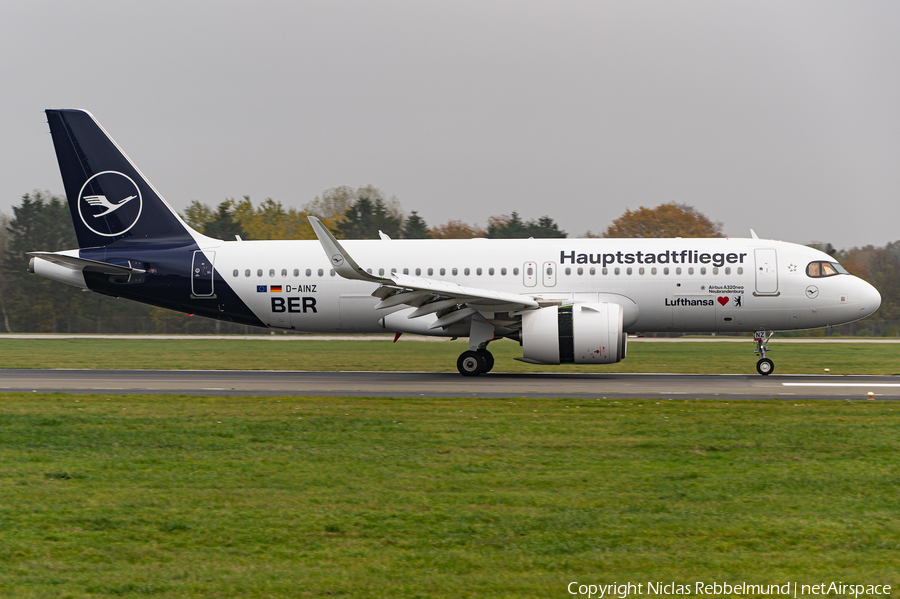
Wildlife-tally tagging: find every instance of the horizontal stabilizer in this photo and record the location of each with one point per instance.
(83, 264)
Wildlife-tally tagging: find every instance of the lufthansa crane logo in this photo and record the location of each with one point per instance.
(109, 203)
(337, 260)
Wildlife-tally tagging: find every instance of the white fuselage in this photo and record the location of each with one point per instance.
(664, 285)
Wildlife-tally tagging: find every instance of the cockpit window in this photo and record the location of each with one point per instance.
(818, 270)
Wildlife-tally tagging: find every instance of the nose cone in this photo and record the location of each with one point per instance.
(869, 299)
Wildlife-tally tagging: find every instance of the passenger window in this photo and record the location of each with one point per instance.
(309, 272)
(296, 272)
(247, 273)
(283, 272)
(380, 272)
(580, 270)
(628, 270)
(715, 270)
(259, 272)
(740, 270)
(593, 270)
(406, 271)
(321, 272)
(478, 271)
(332, 272)
(690, 270)
(653, 271)
(617, 271)
(641, 270)
(678, 271)
(605, 271)
(529, 271)
(666, 270)
(727, 270)
(431, 272)
(272, 273)
(568, 270)
(236, 272)
(702, 270)
(503, 271)
(516, 270)
(466, 272)
(491, 271)
(454, 271)
(418, 272)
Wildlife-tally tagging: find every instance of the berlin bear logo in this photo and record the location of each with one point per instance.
(109, 203)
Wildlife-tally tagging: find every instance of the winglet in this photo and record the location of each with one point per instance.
(340, 260)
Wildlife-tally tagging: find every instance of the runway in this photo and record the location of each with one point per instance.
(435, 384)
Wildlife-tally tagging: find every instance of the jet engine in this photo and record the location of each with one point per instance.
(583, 334)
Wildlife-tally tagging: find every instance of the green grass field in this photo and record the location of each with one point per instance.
(167, 496)
(687, 357)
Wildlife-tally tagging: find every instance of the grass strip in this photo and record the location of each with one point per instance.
(252, 354)
(172, 496)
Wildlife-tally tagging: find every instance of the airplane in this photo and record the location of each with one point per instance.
(563, 300)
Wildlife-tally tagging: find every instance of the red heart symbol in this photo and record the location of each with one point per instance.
(723, 299)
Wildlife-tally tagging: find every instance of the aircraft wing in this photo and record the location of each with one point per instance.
(428, 296)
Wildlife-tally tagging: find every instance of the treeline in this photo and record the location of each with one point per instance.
(880, 266)
(29, 303)
(41, 221)
(351, 214)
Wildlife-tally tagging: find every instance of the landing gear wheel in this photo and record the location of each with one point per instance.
(765, 366)
(470, 363)
(488, 359)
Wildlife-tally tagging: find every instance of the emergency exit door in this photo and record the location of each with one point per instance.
(530, 274)
(548, 274)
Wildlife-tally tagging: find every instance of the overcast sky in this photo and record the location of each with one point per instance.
(780, 116)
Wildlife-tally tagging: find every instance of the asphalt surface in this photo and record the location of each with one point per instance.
(434, 384)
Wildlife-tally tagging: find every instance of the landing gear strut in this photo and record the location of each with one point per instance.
(473, 363)
(764, 366)
(478, 359)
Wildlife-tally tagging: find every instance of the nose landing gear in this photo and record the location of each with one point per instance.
(764, 365)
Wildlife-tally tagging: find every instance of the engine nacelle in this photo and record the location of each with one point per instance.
(583, 334)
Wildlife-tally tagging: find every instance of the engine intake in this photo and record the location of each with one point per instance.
(580, 334)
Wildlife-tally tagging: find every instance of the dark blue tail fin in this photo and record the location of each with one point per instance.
(109, 198)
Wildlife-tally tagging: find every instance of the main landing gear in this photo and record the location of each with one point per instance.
(478, 359)
(764, 366)
(473, 363)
